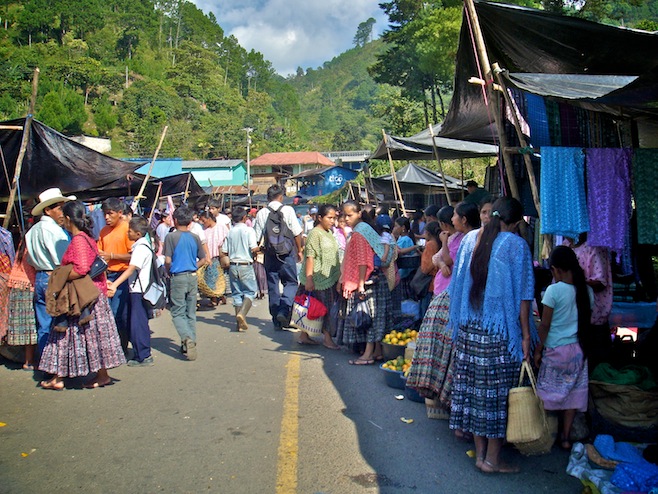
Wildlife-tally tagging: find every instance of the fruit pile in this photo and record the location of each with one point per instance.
(400, 338)
(399, 364)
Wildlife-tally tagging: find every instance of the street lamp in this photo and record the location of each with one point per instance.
(248, 130)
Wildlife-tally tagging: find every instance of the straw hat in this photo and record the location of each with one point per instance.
(49, 197)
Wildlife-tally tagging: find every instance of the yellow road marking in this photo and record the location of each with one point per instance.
(286, 480)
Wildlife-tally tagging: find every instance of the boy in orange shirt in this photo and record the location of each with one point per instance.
(114, 246)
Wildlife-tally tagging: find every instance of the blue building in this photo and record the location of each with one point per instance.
(322, 181)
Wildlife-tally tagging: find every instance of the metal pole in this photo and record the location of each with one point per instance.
(248, 130)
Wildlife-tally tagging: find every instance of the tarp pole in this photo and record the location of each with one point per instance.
(396, 184)
(187, 187)
(486, 67)
(438, 160)
(21, 152)
(461, 164)
(155, 203)
(148, 175)
(519, 133)
(374, 192)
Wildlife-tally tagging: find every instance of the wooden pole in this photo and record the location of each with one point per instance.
(394, 177)
(374, 192)
(461, 164)
(519, 133)
(155, 203)
(438, 160)
(486, 67)
(138, 197)
(21, 152)
(187, 187)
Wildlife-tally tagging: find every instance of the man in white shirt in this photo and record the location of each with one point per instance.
(214, 206)
(280, 268)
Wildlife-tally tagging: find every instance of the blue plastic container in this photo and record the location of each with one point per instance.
(394, 379)
(411, 393)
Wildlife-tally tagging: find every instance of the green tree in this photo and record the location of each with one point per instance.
(364, 32)
(63, 110)
(104, 117)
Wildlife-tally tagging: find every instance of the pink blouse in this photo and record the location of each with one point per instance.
(81, 252)
(441, 282)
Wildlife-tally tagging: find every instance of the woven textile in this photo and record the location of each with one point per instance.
(7, 244)
(563, 205)
(378, 299)
(645, 174)
(538, 120)
(22, 323)
(608, 196)
(562, 380)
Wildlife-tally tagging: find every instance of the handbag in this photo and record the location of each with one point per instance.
(360, 318)
(301, 308)
(99, 266)
(420, 283)
(527, 426)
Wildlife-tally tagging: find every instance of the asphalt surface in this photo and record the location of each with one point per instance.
(256, 413)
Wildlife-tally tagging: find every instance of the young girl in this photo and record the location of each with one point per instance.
(562, 380)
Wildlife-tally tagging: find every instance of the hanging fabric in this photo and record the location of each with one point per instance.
(608, 196)
(563, 205)
(538, 121)
(645, 174)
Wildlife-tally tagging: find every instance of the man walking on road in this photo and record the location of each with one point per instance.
(283, 249)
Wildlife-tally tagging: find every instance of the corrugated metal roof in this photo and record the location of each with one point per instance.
(202, 164)
(294, 158)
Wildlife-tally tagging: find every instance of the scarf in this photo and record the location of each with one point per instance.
(373, 239)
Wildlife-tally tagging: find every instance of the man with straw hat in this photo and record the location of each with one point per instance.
(46, 243)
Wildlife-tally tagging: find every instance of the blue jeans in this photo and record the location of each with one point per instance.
(284, 271)
(140, 334)
(182, 295)
(44, 320)
(243, 283)
(120, 305)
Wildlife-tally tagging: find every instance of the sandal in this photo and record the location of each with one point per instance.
(55, 386)
(96, 384)
(488, 467)
(361, 361)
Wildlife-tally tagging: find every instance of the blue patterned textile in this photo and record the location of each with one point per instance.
(538, 121)
(562, 194)
(7, 244)
(510, 280)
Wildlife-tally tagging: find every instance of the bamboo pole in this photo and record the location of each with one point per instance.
(438, 161)
(486, 67)
(139, 196)
(461, 164)
(11, 127)
(374, 192)
(187, 187)
(517, 125)
(21, 152)
(394, 177)
(155, 203)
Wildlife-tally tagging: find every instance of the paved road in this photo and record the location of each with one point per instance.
(256, 413)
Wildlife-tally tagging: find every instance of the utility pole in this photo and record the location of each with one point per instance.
(248, 130)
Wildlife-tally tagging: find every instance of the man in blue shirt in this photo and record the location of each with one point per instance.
(184, 254)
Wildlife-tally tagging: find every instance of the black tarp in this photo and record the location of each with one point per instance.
(524, 40)
(419, 147)
(53, 160)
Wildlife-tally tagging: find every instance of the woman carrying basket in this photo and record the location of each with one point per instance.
(321, 269)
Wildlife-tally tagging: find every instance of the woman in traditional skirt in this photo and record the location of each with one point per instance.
(95, 345)
(321, 269)
(361, 281)
(491, 291)
(22, 330)
(562, 383)
(432, 364)
(215, 233)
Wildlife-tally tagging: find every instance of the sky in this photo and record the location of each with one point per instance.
(295, 33)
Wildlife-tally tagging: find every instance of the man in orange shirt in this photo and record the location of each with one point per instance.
(114, 246)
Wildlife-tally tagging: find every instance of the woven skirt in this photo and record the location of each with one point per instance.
(4, 304)
(84, 349)
(483, 374)
(22, 323)
(261, 277)
(378, 300)
(431, 367)
(563, 382)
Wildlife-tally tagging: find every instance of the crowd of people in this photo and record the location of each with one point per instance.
(468, 268)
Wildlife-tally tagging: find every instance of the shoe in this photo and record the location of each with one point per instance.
(183, 347)
(241, 316)
(147, 362)
(191, 349)
(237, 323)
(283, 319)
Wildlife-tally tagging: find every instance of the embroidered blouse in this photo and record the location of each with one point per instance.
(322, 247)
(81, 252)
(357, 253)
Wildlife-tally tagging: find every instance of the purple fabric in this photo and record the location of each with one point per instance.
(608, 196)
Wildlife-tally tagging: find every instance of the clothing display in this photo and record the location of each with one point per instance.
(646, 199)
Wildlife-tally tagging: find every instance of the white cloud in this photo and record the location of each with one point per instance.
(294, 33)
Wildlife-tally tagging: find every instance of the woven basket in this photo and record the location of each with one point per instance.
(220, 285)
(527, 425)
(434, 411)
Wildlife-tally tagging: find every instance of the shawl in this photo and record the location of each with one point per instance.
(608, 196)
(645, 173)
(563, 204)
(510, 281)
(373, 239)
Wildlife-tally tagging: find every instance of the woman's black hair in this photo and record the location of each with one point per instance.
(77, 213)
(323, 210)
(488, 199)
(433, 229)
(469, 211)
(404, 222)
(445, 215)
(365, 215)
(565, 259)
(207, 215)
(505, 210)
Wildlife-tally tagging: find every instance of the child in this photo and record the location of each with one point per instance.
(184, 255)
(140, 262)
(241, 246)
(562, 381)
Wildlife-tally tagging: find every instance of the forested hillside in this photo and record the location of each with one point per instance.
(126, 68)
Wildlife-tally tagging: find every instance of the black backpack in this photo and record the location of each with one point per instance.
(278, 237)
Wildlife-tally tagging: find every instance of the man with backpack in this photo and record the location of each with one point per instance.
(278, 225)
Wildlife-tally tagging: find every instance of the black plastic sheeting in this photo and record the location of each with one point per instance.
(419, 147)
(524, 40)
(53, 160)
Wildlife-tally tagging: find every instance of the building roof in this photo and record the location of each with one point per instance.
(201, 164)
(289, 159)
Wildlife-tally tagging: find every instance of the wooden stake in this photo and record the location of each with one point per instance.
(21, 152)
(394, 177)
(187, 186)
(138, 197)
(374, 192)
(155, 203)
(438, 160)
